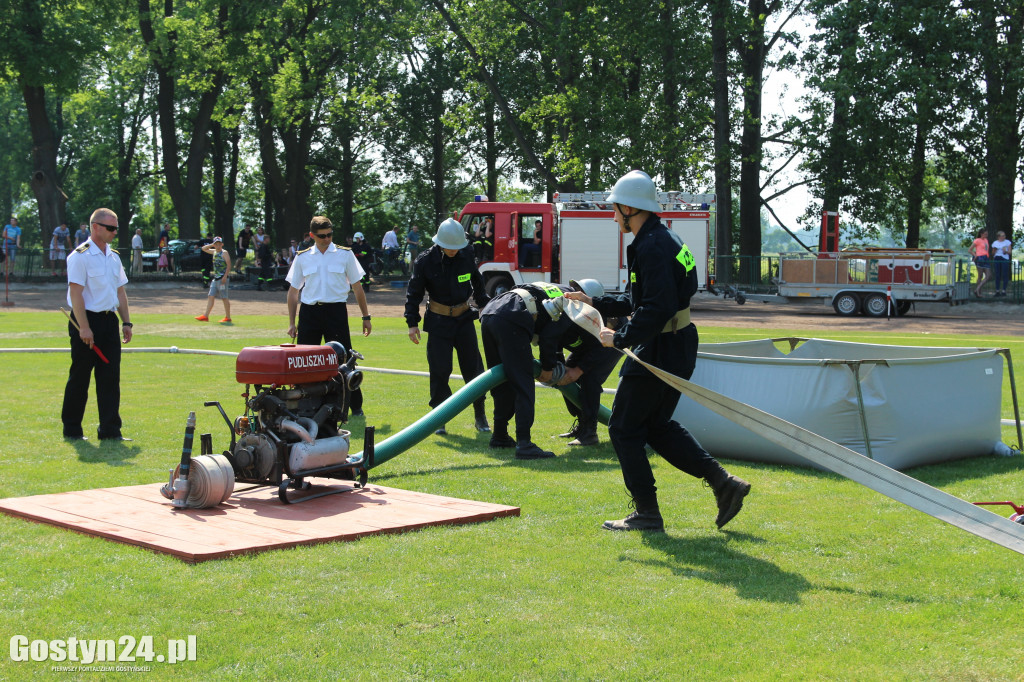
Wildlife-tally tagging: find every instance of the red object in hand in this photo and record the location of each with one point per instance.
(100, 353)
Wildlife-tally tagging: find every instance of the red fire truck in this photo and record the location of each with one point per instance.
(576, 237)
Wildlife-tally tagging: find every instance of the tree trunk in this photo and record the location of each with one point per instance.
(673, 157)
(348, 163)
(723, 150)
(752, 59)
(491, 150)
(45, 185)
(915, 186)
(1002, 113)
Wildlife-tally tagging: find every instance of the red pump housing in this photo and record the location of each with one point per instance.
(287, 364)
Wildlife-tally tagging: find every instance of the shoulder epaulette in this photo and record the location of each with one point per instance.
(83, 248)
(304, 251)
(115, 251)
(347, 248)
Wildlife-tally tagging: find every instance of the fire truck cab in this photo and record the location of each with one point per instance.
(574, 237)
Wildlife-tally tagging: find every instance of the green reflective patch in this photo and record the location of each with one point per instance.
(464, 278)
(632, 278)
(685, 256)
(575, 343)
(551, 290)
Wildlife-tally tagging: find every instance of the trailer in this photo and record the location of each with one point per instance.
(578, 238)
(876, 282)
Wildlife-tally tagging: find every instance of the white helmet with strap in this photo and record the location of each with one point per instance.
(591, 287)
(450, 235)
(636, 190)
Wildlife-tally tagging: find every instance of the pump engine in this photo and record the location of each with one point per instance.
(295, 399)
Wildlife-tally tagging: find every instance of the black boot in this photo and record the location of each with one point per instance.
(729, 493)
(500, 437)
(571, 433)
(586, 434)
(646, 517)
(526, 449)
(481, 424)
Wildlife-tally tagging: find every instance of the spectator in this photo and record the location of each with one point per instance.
(220, 263)
(242, 247)
(81, 235)
(58, 247)
(165, 236)
(12, 240)
(292, 250)
(979, 252)
(136, 252)
(413, 240)
(361, 249)
(282, 258)
(1001, 248)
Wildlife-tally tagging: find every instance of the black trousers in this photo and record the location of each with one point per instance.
(591, 384)
(459, 338)
(642, 414)
(509, 345)
(106, 329)
(327, 321)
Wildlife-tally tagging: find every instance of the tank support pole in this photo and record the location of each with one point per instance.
(855, 366)
(1013, 392)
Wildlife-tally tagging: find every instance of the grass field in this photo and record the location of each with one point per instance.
(817, 579)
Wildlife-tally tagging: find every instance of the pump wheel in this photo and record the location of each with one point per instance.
(497, 285)
(846, 305)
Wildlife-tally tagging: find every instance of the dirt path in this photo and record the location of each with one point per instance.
(386, 301)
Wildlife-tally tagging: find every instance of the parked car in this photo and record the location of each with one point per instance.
(187, 255)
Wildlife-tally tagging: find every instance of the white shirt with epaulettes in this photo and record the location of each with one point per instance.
(324, 277)
(100, 274)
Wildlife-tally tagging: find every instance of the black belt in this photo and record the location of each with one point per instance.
(101, 312)
(326, 303)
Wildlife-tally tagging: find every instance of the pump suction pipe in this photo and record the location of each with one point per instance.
(449, 409)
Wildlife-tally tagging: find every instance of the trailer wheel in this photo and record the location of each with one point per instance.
(498, 285)
(903, 307)
(875, 305)
(740, 298)
(846, 304)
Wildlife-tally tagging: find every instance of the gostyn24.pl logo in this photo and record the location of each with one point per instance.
(126, 649)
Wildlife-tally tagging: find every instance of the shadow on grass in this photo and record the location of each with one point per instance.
(111, 452)
(712, 559)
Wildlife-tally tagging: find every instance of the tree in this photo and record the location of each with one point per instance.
(186, 46)
(44, 50)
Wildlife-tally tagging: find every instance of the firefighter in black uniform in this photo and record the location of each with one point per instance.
(662, 278)
(447, 272)
(509, 324)
(588, 365)
(97, 297)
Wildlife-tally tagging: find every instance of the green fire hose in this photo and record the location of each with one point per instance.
(449, 409)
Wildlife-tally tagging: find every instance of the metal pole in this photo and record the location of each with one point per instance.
(1013, 393)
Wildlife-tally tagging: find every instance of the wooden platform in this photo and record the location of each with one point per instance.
(249, 522)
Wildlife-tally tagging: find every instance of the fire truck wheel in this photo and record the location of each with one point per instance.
(875, 305)
(846, 304)
(498, 285)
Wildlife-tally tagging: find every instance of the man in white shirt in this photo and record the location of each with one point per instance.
(137, 252)
(321, 277)
(96, 295)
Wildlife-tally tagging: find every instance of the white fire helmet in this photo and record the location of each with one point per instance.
(636, 189)
(450, 235)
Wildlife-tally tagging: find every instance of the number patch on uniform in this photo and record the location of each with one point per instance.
(685, 256)
(464, 278)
